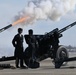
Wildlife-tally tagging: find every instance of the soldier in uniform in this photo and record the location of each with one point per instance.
(32, 43)
(18, 44)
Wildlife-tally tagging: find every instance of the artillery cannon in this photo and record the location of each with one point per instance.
(48, 48)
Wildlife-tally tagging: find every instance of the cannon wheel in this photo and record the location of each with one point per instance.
(28, 59)
(61, 54)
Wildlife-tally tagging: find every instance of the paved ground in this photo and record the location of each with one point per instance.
(46, 67)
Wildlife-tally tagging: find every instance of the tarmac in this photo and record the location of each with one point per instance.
(46, 68)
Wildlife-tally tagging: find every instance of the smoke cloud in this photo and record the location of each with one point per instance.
(46, 9)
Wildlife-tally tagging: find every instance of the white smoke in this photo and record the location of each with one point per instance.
(47, 9)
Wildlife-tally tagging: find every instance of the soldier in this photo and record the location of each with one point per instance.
(18, 44)
(32, 43)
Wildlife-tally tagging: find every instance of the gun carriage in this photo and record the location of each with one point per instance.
(48, 47)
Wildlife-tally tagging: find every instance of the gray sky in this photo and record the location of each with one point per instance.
(9, 8)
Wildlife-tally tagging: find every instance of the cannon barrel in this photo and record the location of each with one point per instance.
(56, 30)
(67, 27)
(5, 28)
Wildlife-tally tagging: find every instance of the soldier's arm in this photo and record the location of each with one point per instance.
(27, 39)
(14, 41)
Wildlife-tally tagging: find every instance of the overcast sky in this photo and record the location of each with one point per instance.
(9, 8)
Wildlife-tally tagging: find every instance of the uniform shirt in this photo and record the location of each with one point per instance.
(18, 41)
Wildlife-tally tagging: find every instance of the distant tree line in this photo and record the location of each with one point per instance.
(71, 48)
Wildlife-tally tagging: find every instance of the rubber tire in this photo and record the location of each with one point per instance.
(28, 61)
(58, 58)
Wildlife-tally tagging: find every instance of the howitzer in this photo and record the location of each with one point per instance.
(48, 47)
(11, 57)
